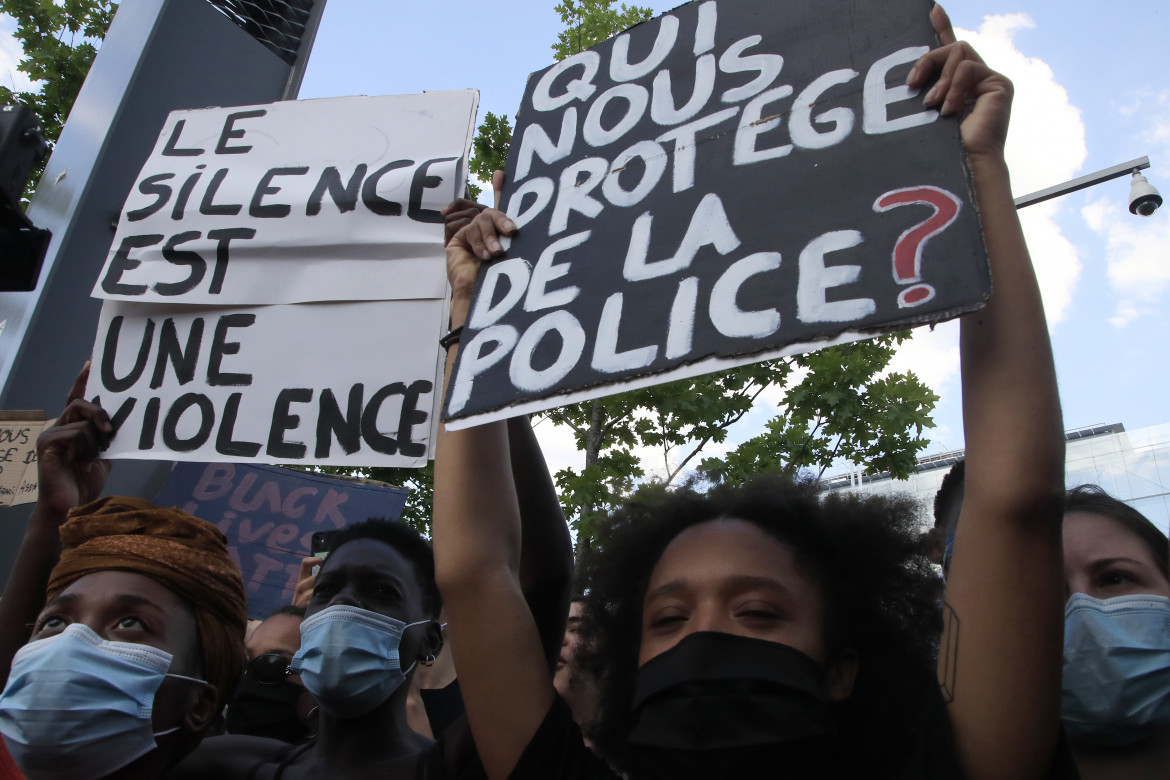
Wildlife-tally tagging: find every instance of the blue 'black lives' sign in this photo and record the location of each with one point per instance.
(731, 181)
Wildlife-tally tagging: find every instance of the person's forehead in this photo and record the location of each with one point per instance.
(1089, 537)
(724, 549)
(370, 554)
(113, 584)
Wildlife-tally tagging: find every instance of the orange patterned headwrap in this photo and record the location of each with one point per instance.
(187, 555)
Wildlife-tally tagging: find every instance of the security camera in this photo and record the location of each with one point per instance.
(1143, 198)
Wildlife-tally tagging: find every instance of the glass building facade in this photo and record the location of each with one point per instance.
(1133, 466)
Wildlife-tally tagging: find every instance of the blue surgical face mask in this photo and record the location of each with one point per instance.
(78, 707)
(349, 659)
(1116, 687)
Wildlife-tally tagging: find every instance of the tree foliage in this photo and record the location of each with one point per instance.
(59, 41)
(420, 483)
(589, 22)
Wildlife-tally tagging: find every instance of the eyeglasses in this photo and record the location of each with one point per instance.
(270, 668)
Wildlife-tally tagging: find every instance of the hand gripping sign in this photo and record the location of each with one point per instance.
(730, 182)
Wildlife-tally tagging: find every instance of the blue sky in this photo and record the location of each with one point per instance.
(1092, 90)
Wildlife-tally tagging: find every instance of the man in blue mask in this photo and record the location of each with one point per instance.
(371, 621)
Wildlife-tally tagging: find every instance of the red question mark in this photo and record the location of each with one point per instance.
(907, 253)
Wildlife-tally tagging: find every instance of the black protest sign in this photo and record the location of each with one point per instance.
(732, 181)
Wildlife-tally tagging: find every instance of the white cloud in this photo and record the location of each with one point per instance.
(1137, 249)
(1137, 258)
(1046, 146)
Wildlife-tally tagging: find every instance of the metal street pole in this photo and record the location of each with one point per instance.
(1116, 172)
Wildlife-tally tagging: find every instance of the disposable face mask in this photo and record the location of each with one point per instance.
(1116, 687)
(78, 707)
(349, 659)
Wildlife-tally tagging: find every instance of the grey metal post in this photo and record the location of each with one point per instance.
(156, 57)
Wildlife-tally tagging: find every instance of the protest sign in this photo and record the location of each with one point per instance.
(269, 515)
(730, 182)
(345, 384)
(277, 285)
(18, 455)
(318, 200)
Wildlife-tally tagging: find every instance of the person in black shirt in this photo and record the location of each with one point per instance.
(736, 662)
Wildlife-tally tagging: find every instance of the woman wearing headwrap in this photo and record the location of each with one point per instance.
(140, 641)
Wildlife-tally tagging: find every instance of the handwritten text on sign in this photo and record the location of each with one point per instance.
(269, 515)
(730, 182)
(278, 384)
(316, 200)
(277, 285)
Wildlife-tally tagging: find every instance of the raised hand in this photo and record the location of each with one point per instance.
(967, 87)
(475, 241)
(69, 470)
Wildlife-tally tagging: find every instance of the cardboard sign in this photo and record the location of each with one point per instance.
(18, 456)
(317, 200)
(277, 285)
(344, 384)
(730, 182)
(269, 516)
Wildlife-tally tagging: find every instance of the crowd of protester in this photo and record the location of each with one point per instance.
(765, 630)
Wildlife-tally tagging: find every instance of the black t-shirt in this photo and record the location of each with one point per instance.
(557, 751)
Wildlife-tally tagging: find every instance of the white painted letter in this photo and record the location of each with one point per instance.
(751, 126)
(635, 96)
(620, 68)
(726, 316)
(685, 143)
(654, 158)
(485, 313)
(577, 89)
(536, 142)
(662, 108)
(816, 278)
(573, 195)
(606, 358)
(531, 380)
(877, 96)
(546, 270)
(800, 124)
(474, 361)
(709, 227)
(682, 318)
(766, 65)
(542, 187)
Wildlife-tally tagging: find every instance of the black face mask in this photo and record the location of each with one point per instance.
(261, 709)
(719, 705)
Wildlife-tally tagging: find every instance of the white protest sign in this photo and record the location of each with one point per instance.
(320, 200)
(277, 286)
(346, 384)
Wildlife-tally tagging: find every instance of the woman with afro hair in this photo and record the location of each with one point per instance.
(763, 632)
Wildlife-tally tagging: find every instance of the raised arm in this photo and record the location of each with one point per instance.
(504, 675)
(1000, 658)
(546, 549)
(69, 474)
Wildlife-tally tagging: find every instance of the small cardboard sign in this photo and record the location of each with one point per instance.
(730, 182)
(269, 516)
(18, 455)
(277, 285)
